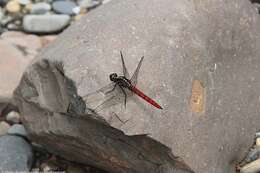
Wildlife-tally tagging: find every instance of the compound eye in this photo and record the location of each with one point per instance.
(113, 76)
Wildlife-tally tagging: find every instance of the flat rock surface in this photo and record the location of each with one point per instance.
(201, 64)
(17, 50)
(10, 77)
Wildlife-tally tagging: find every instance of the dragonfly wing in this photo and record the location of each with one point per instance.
(105, 97)
(125, 72)
(98, 94)
(135, 75)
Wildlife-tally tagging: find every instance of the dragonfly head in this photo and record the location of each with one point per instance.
(113, 76)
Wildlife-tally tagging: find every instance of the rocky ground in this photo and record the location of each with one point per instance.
(26, 26)
(42, 16)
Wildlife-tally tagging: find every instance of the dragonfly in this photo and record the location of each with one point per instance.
(121, 84)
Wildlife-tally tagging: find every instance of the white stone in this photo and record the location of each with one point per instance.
(13, 6)
(13, 117)
(252, 167)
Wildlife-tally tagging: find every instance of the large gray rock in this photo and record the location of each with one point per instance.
(16, 154)
(201, 64)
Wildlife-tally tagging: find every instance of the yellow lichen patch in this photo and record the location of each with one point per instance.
(197, 99)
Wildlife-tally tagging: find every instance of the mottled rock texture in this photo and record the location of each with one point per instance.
(201, 64)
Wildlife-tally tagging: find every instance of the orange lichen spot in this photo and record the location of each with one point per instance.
(197, 99)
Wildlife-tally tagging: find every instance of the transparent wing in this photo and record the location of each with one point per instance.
(135, 75)
(105, 97)
(97, 95)
(125, 72)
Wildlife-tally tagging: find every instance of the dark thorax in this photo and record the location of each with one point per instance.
(121, 80)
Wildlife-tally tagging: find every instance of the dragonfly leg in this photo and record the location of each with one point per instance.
(124, 94)
(111, 89)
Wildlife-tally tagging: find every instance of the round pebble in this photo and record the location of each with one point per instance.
(257, 143)
(3, 2)
(40, 8)
(13, 117)
(13, 27)
(64, 7)
(13, 6)
(4, 127)
(252, 155)
(24, 2)
(45, 23)
(16, 154)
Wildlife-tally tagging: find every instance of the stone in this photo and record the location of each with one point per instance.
(88, 3)
(252, 167)
(54, 118)
(17, 129)
(45, 23)
(11, 56)
(3, 2)
(4, 127)
(257, 143)
(64, 6)
(206, 41)
(24, 2)
(13, 117)
(257, 134)
(106, 1)
(13, 27)
(1, 14)
(13, 6)
(252, 155)
(28, 8)
(40, 8)
(50, 165)
(16, 154)
(6, 19)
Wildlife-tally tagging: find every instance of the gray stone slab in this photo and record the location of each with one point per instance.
(201, 64)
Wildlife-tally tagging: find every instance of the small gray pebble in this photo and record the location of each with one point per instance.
(40, 8)
(64, 7)
(45, 23)
(252, 155)
(24, 2)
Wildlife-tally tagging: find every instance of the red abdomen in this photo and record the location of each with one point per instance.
(145, 97)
